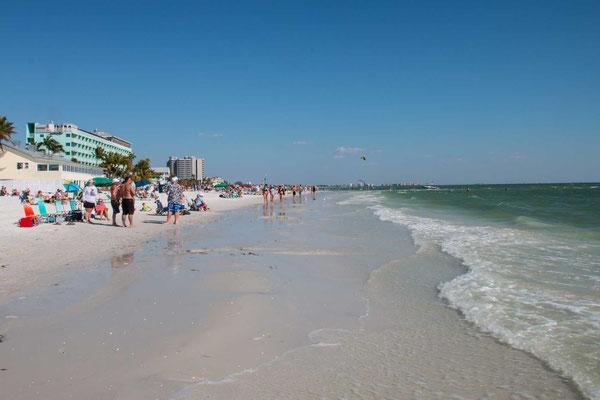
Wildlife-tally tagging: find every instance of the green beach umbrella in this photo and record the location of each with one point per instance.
(222, 185)
(101, 181)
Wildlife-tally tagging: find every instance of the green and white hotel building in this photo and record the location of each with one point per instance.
(77, 143)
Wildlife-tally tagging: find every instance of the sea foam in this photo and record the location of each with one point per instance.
(533, 291)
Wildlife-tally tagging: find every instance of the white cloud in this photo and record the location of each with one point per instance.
(301, 142)
(210, 135)
(216, 135)
(343, 151)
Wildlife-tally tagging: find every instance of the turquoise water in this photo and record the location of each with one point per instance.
(533, 258)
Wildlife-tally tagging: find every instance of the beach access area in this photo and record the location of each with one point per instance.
(312, 300)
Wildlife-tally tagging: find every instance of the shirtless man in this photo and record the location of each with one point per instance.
(127, 201)
(114, 200)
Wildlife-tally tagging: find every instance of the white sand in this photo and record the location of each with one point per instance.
(32, 255)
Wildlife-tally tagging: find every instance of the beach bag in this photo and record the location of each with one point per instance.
(26, 223)
(77, 215)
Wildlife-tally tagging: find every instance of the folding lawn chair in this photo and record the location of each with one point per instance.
(46, 217)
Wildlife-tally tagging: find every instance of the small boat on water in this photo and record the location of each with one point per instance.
(430, 187)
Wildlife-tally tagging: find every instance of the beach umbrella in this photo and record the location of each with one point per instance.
(142, 183)
(222, 185)
(71, 187)
(101, 181)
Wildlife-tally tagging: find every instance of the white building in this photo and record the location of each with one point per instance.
(23, 168)
(162, 174)
(215, 180)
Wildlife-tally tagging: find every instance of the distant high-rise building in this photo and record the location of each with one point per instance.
(188, 167)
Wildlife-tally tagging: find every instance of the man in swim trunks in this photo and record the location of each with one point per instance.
(174, 198)
(127, 201)
(114, 200)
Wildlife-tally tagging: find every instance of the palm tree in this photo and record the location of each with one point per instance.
(51, 144)
(99, 153)
(111, 161)
(117, 165)
(6, 130)
(142, 170)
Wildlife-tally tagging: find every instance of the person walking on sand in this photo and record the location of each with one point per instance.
(313, 189)
(174, 198)
(89, 199)
(115, 198)
(127, 201)
(272, 192)
(265, 193)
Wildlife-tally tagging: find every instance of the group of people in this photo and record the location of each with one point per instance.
(4, 192)
(122, 195)
(271, 191)
(41, 196)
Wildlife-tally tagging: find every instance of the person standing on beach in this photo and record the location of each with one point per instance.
(115, 198)
(294, 193)
(89, 199)
(174, 198)
(272, 192)
(127, 201)
(265, 193)
(313, 189)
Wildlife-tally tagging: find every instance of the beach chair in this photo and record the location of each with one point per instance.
(60, 211)
(29, 213)
(160, 210)
(45, 216)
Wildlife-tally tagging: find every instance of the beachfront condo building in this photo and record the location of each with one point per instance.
(40, 170)
(77, 143)
(188, 167)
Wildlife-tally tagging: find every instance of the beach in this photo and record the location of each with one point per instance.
(32, 254)
(325, 299)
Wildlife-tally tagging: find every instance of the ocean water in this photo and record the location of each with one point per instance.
(532, 254)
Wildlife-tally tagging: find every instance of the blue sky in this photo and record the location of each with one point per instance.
(443, 91)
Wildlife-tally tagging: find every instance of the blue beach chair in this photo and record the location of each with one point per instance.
(160, 210)
(46, 217)
(60, 211)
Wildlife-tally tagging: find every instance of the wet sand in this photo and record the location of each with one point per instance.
(331, 304)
